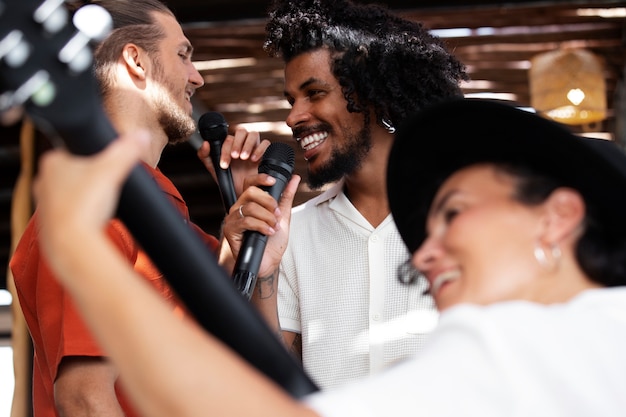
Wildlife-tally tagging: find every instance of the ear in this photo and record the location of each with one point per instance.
(135, 61)
(565, 212)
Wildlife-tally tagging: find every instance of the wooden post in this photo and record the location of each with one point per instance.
(21, 211)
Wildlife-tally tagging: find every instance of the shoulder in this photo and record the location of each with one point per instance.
(537, 326)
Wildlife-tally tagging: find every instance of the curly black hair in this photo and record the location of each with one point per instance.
(392, 64)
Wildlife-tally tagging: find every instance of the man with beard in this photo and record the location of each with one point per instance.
(352, 73)
(147, 79)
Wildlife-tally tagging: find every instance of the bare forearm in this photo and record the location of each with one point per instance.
(265, 299)
(85, 386)
(168, 367)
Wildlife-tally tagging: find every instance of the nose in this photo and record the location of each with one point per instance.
(426, 256)
(298, 114)
(195, 77)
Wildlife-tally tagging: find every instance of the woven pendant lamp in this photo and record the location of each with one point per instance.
(568, 85)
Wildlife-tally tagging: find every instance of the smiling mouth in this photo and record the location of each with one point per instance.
(312, 141)
(443, 279)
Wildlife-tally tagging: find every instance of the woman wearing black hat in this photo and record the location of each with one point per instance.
(517, 224)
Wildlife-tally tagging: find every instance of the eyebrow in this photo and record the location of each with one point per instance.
(305, 84)
(442, 202)
(188, 47)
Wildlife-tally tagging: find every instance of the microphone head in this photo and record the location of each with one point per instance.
(213, 127)
(279, 158)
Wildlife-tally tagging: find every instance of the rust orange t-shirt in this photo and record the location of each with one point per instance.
(55, 326)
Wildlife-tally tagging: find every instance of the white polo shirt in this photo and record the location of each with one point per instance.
(339, 288)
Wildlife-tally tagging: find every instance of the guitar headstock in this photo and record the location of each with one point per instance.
(46, 68)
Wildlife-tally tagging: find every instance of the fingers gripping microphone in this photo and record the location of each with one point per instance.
(278, 162)
(214, 129)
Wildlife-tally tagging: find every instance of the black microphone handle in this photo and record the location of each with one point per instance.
(213, 128)
(224, 177)
(248, 262)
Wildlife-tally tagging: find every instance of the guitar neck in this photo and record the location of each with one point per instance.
(71, 112)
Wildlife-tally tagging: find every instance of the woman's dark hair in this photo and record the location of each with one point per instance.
(380, 60)
(599, 252)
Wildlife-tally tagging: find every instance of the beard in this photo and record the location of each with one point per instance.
(177, 124)
(344, 160)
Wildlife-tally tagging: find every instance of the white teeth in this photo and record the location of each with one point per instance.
(443, 278)
(311, 141)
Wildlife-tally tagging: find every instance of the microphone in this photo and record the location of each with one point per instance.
(214, 129)
(278, 161)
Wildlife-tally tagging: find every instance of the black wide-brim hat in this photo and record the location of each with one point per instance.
(441, 139)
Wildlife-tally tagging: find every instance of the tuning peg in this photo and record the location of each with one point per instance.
(93, 23)
(37, 88)
(14, 49)
(52, 15)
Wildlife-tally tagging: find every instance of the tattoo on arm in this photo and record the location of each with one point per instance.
(265, 286)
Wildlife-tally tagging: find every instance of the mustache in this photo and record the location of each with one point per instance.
(300, 132)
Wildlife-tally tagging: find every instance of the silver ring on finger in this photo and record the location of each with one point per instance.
(240, 210)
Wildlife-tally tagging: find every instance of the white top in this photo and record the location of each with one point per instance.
(508, 359)
(339, 288)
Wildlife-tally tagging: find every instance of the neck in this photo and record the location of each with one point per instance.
(126, 120)
(367, 188)
(563, 285)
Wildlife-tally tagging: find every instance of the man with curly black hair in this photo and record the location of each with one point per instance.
(352, 73)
